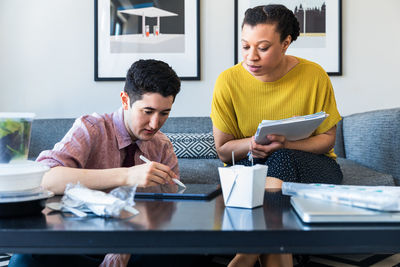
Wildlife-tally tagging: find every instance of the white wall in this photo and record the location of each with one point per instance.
(46, 58)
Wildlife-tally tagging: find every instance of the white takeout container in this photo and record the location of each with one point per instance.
(15, 135)
(24, 175)
(243, 186)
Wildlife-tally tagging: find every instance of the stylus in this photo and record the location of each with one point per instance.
(173, 179)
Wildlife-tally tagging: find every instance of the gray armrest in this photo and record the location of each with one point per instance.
(372, 139)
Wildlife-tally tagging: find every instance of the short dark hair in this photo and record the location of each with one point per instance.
(151, 76)
(285, 20)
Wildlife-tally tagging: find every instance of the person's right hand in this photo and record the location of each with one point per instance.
(263, 151)
(150, 174)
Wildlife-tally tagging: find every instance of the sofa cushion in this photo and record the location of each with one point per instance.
(199, 171)
(193, 145)
(356, 174)
(205, 171)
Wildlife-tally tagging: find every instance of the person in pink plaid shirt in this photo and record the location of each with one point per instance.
(102, 152)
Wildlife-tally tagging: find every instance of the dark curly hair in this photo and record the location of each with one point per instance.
(151, 76)
(286, 22)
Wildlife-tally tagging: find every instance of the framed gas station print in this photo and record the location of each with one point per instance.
(126, 31)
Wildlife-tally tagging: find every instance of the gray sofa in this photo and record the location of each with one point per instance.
(367, 145)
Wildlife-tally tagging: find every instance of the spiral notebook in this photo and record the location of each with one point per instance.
(293, 129)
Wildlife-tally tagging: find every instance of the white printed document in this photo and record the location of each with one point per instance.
(295, 128)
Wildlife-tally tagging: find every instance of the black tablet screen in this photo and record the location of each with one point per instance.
(192, 191)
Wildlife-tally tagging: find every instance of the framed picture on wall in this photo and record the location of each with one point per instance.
(320, 37)
(126, 31)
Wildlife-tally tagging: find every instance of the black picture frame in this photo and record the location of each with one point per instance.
(325, 49)
(171, 33)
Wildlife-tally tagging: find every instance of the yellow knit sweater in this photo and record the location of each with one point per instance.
(240, 101)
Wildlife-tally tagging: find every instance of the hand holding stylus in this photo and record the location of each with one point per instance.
(176, 181)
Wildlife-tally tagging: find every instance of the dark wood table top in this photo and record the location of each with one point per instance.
(188, 226)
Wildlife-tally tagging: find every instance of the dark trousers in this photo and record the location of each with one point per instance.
(298, 166)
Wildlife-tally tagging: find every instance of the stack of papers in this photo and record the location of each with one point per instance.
(385, 198)
(295, 128)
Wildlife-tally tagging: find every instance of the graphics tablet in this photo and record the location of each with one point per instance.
(192, 191)
(319, 211)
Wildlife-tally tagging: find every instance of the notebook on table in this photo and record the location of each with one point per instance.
(192, 191)
(319, 211)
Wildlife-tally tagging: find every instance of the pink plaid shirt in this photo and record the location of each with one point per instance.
(99, 141)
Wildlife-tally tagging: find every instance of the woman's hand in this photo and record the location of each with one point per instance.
(263, 151)
(318, 144)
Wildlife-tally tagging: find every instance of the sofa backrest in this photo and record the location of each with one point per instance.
(46, 133)
(187, 125)
(373, 140)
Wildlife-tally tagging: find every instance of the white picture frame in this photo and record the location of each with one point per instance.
(321, 46)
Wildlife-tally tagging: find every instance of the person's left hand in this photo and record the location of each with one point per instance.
(263, 151)
(115, 260)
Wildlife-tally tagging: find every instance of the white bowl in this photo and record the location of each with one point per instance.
(22, 175)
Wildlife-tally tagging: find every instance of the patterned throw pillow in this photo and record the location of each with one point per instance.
(193, 145)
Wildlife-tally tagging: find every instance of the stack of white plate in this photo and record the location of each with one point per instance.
(20, 190)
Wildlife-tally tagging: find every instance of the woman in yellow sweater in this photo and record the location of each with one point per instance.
(270, 85)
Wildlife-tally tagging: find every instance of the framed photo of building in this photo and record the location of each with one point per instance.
(129, 30)
(320, 37)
